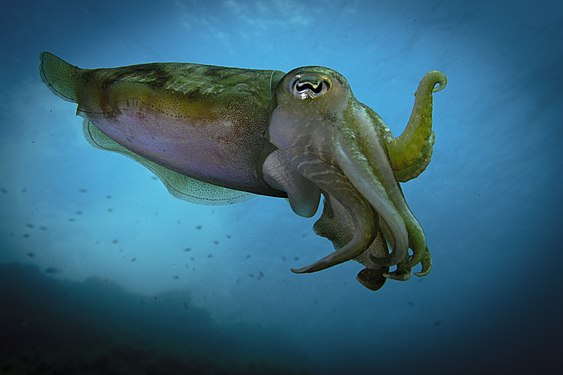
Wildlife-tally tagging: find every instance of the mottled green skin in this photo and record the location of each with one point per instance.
(410, 153)
(203, 128)
(196, 83)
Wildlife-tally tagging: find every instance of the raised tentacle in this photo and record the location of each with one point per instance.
(411, 152)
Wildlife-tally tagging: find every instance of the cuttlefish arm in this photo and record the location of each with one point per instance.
(337, 225)
(410, 153)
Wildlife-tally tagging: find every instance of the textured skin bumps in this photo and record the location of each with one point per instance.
(410, 153)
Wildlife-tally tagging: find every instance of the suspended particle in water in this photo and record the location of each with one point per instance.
(52, 270)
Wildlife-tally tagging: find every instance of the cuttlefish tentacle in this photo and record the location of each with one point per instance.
(360, 172)
(327, 177)
(375, 152)
(426, 263)
(411, 152)
(336, 224)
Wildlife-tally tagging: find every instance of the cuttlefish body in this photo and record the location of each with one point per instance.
(218, 135)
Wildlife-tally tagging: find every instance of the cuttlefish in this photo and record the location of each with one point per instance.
(220, 135)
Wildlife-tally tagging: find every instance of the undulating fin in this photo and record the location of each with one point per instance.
(61, 77)
(179, 185)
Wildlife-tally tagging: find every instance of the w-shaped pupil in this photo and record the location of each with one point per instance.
(308, 85)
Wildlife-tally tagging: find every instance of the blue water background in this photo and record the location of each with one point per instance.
(489, 202)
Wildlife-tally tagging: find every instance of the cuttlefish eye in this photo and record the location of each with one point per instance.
(310, 86)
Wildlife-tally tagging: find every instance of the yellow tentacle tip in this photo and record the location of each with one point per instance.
(435, 79)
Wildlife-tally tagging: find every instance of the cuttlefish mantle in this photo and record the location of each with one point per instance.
(218, 135)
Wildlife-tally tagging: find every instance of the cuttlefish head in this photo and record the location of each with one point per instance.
(311, 98)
